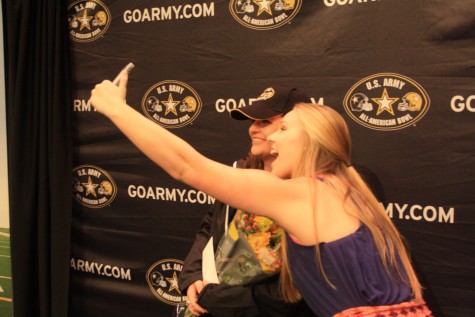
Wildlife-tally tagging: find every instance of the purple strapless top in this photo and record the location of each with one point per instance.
(353, 265)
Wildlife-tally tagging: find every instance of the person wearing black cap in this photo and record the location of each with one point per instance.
(273, 102)
(254, 299)
(341, 252)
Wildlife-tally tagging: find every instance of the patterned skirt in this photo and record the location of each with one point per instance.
(405, 309)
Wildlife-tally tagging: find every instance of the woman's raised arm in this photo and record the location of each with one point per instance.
(251, 190)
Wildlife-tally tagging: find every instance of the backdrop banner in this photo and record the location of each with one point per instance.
(402, 73)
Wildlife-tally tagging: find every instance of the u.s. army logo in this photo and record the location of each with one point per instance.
(264, 14)
(171, 103)
(162, 279)
(88, 20)
(386, 101)
(93, 187)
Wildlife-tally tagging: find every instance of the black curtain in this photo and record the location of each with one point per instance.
(38, 105)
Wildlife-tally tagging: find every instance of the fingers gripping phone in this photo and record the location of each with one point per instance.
(127, 68)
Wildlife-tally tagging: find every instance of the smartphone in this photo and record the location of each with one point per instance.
(127, 68)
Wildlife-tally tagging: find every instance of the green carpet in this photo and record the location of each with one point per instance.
(5, 274)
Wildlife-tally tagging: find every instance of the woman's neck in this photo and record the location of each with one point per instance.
(267, 165)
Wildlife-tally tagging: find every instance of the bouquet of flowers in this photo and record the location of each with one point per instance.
(249, 251)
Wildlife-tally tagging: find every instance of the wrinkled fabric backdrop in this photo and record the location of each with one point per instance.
(400, 72)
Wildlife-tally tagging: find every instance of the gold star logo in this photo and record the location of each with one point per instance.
(385, 103)
(90, 187)
(170, 105)
(264, 5)
(173, 283)
(85, 21)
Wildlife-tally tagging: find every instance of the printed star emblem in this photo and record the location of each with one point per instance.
(150, 102)
(85, 21)
(173, 283)
(90, 187)
(355, 99)
(385, 103)
(170, 105)
(264, 5)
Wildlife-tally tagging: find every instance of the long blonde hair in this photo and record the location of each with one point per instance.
(327, 150)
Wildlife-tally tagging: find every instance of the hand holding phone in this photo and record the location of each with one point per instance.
(127, 68)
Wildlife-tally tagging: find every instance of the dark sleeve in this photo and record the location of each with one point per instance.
(271, 304)
(191, 270)
(261, 299)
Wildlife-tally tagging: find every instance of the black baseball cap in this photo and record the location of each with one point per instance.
(273, 101)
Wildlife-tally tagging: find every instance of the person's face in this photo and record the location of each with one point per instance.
(259, 131)
(287, 143)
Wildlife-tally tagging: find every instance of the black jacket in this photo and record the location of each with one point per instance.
(256, 300)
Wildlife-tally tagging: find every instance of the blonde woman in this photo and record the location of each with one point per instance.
(344, 256)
